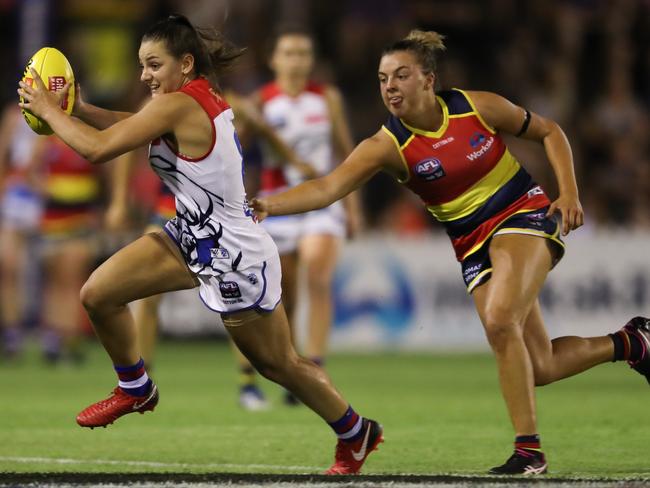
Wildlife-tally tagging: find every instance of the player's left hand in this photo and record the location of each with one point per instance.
(571, 211)
(37, 98)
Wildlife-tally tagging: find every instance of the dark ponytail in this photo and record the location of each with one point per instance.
(212, 52)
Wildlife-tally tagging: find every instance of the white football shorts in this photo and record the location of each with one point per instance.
(21, 208)
(287, 230)
(254, 288)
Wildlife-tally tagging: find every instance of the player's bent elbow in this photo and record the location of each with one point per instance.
(98, 155)
(100, 159)
(550, 128)
(91, 158)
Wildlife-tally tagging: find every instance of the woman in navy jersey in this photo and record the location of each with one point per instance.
(213, 242)
(447, 148)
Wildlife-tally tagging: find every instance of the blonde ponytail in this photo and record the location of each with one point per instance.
(429, 39)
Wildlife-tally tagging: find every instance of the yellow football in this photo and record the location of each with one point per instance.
(55, 71)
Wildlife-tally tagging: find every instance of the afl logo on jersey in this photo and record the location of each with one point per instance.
(429, 169)
(229, 289)
(476, 139)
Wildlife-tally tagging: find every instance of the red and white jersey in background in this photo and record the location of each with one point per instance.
(213, 227)
(303, 122)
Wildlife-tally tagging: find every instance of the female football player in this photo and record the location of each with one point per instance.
(309, 117)
(446, 147)
(213, 242)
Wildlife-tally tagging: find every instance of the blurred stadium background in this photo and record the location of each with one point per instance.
(584, 63)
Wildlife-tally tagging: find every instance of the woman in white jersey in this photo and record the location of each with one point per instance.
(309, 117)
(145, 311)
(213, 242)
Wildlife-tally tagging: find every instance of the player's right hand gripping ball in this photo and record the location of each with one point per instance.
(55, 71)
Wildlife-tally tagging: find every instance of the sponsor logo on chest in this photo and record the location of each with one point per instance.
(481, 144)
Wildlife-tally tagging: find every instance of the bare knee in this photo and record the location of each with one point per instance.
(89, 296)
(275, 368)
(94, 296)
(502, 329)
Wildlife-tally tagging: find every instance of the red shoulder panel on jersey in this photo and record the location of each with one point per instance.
(211, 101)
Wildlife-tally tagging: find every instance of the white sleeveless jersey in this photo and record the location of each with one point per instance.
(214, 227)
(303, 123)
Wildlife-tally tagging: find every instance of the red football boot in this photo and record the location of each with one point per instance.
(350, 456)
(107, 411)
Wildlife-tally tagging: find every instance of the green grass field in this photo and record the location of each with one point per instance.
(441, 414)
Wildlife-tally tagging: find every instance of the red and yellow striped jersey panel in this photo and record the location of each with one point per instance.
(472, 241)
(72, 189)
(463, 172)
(477, 194)
(456, 166)
(72, 192)
(60, 223)
(70, 179)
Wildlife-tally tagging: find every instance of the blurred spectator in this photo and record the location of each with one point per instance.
(71, 192)
(20, 213)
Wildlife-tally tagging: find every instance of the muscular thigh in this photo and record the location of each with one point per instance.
(263, 337)
(520, 264)
(148, 266)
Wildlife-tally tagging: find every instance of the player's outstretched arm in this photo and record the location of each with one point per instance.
(368, 158)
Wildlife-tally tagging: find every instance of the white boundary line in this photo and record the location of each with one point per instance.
(152, 464)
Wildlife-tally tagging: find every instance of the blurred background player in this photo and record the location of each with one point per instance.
(72, 193)
(248, 122)
(20, 217)
(309, 117)
(49, 226)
